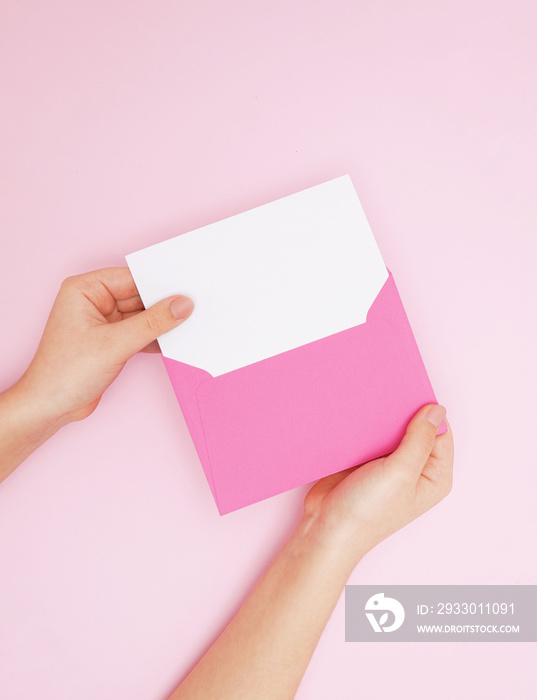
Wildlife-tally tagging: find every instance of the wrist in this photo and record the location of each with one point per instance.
(23, 427)
(30, 414)
(335, 542)
(39, 403)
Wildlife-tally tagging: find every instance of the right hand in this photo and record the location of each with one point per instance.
(361, 506)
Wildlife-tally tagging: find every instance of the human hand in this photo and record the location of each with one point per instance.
(361, 506)
(96, 324)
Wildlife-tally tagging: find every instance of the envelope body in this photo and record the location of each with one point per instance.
(306, 413)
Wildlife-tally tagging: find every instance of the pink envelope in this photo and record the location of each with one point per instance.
(311, 411)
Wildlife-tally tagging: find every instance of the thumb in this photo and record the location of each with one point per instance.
(132, 334)
(418, 442)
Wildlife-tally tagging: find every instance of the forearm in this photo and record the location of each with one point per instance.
(25, 423)
(266, 648)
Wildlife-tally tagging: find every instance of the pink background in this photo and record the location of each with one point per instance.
(124, 123)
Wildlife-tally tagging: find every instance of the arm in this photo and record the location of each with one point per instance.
(264, 651)
(96, 323)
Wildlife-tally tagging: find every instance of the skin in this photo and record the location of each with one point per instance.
(97, 322)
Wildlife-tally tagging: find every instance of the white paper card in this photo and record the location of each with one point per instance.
(268, 280)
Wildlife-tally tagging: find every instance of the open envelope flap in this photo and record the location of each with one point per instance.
(308, 412)
(185, 380)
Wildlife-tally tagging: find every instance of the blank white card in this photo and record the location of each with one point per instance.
(268, 280)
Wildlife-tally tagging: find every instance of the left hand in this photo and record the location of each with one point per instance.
(96, 323)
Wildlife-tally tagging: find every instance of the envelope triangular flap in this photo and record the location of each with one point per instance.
(185, 380)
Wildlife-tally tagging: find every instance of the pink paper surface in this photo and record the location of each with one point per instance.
(308, 412)
(126, 123)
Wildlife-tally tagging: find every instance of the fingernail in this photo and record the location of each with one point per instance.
(182, 307)
(436, 415)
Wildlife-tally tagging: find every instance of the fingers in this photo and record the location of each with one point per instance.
(436, 479)
(117, 280)
(443, 446)
(129, 305)
(114, 294)
(124, 309)
(136, 332)
(110, 290)
(419, 440)
(439, 467)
